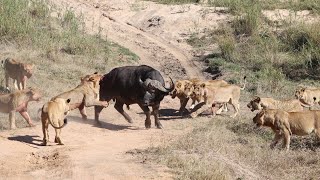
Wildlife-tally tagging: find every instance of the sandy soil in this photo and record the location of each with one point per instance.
(157, 34)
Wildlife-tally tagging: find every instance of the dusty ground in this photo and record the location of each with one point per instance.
(156, 33)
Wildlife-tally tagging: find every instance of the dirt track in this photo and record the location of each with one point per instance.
(156, 34)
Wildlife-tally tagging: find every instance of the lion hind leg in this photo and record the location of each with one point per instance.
(12, 120)
(57, 138)
(275, 140)
(83, 112)
(286, 139)
(45, 131)
(236, 108)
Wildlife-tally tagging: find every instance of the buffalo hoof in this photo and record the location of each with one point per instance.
(44, 143)
(148, 126)
(159, 126)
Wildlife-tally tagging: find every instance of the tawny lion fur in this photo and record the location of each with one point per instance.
(17, 71)
(184, 88)
(18, 102)
(284, 124)
(54, 112)
(84, 95)
(258, 103)
(217, 96)
(308, 96)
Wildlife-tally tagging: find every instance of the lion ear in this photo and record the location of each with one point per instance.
(178, 85)
(68, 101)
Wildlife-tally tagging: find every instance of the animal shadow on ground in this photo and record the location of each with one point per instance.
(102, 124)
(169, 114)
(27, 139)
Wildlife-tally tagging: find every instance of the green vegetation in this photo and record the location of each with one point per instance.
(33, 32)
(276, 57)
(240, 6)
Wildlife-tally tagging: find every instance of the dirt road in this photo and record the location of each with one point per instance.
(156, 33)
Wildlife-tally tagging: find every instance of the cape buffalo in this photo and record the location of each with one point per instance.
(142, 85)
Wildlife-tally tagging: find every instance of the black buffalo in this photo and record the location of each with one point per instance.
(142, 85)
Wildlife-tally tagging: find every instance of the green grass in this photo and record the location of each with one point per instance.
(58, 46)
(240, 6)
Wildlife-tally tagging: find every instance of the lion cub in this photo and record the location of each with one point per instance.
(17, 71)
(54, 112)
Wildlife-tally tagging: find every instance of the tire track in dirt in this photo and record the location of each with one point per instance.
(151, 49)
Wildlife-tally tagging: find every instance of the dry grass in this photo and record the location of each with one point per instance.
(224, 148)
(58, 47)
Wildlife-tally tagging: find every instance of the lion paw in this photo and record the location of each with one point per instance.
(193, 115)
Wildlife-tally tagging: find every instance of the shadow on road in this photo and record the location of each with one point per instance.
(102, 124)
(27, 139)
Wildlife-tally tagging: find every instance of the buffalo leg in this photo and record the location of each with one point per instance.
(97, 111)
(119, 107)
(183, 104)
(155, 110)
(146, 110)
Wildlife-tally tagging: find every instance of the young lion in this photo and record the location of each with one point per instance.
(18, 102)
(291, 105)
(284, 124)
(84, 95)
(54, 112)
(19, 72)
(217, 96)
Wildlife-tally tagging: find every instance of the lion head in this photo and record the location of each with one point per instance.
(93, 79)
(259, 118)
(255, 104)
(27, 69)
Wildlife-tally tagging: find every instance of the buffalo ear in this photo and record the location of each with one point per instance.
(257, 99)
(68, 101)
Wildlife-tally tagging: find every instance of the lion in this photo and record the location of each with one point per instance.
(18, 102)
(17, 71)
(284, 124)
(291, 105)
(54, 112)
(84, 95)
(180, 92)
(217, 96)
(184, 88)
(308, 96)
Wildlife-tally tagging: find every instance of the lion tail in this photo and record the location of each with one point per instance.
(50, 117)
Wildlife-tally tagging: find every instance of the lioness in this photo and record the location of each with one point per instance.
(54, 112)
(217, 96)
(284, 124)
(184, 88)
(19, 72)
(308, 96)
(84, 95)
(257, 103)
(18, 102)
